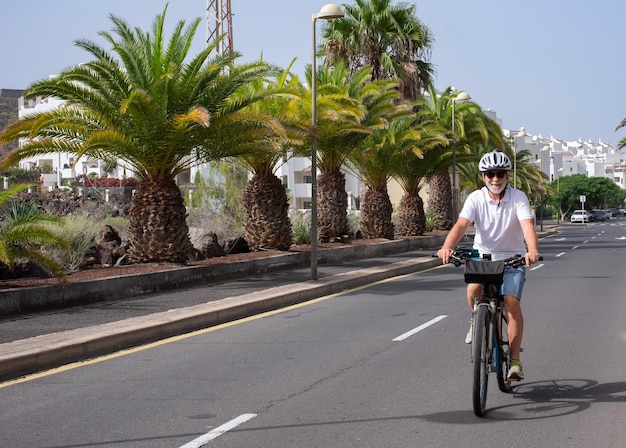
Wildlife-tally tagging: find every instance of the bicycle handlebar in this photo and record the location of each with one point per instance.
(460, 256)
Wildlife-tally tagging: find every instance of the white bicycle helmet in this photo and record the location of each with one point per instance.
(494, 160)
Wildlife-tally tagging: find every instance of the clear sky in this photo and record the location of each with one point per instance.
(554, 67)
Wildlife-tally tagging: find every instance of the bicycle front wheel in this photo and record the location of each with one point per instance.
(504, 356)
(480, 359)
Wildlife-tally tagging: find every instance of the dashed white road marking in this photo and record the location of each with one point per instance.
(534, 268)
(215, 433)
(560, 254)
(402, 337)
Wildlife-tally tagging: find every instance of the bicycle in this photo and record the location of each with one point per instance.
(490, 346)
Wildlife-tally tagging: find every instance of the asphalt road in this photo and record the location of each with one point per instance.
(382, 366)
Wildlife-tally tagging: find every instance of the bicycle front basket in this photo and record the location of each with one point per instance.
(491, 272)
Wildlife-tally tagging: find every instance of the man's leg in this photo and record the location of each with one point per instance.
(515, 324)
(516, 329)
(473, 290)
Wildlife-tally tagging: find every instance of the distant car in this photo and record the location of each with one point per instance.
(580, 216)
(599, 215)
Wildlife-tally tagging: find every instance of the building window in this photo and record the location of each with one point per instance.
(307, 179)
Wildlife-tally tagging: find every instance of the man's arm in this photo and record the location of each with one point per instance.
(455, 235)
(528, 227)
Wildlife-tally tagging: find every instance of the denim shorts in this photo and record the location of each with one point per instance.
(514, 279)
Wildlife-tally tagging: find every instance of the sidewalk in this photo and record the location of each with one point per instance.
(147, 311)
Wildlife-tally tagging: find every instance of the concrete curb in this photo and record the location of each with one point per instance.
(25, 300)
(41, 353)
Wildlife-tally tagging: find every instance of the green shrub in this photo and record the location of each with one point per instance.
(301, 227)
(80, 233)
(354, 222)
(433, 221)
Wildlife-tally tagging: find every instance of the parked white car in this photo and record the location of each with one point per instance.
(580, 216)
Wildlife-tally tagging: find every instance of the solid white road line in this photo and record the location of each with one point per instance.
(402, 337)
(215, 433)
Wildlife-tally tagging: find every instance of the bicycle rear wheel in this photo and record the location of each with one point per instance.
(504, 356)
(480, 360)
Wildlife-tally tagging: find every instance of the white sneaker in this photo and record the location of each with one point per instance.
(515, 372)
(468, 336)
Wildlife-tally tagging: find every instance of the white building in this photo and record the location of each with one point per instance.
(64, 165)
(558, 158)
(296, 176)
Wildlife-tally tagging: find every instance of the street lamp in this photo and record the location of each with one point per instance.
(558, 194)
(461, 96)
(327, 12)
(544, 149)
(521, 133)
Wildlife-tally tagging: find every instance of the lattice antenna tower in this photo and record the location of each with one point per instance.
(219, 20)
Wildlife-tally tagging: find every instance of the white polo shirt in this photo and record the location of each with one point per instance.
(498, 228)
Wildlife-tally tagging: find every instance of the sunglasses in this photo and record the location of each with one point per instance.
(498, 174)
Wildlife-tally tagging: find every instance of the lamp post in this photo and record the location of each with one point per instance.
(558, 194)
(327, 12)
(544, 149)
(521, 133)
(461, 96)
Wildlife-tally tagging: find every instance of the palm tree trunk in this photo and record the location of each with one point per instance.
(376, 212)
(332, 200)
(266, 210)
(157, 224)
(411, 216)
(440, 199)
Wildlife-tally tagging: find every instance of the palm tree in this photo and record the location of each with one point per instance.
(265, 202)
(386, 37)
(530, 179)
(420, 161)
(348, 111)
(152, 110)
(472, 127)
(622, 143)
(385, 154)
(25, 230)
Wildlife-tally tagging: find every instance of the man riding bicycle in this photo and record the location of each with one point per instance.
(504, 227)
